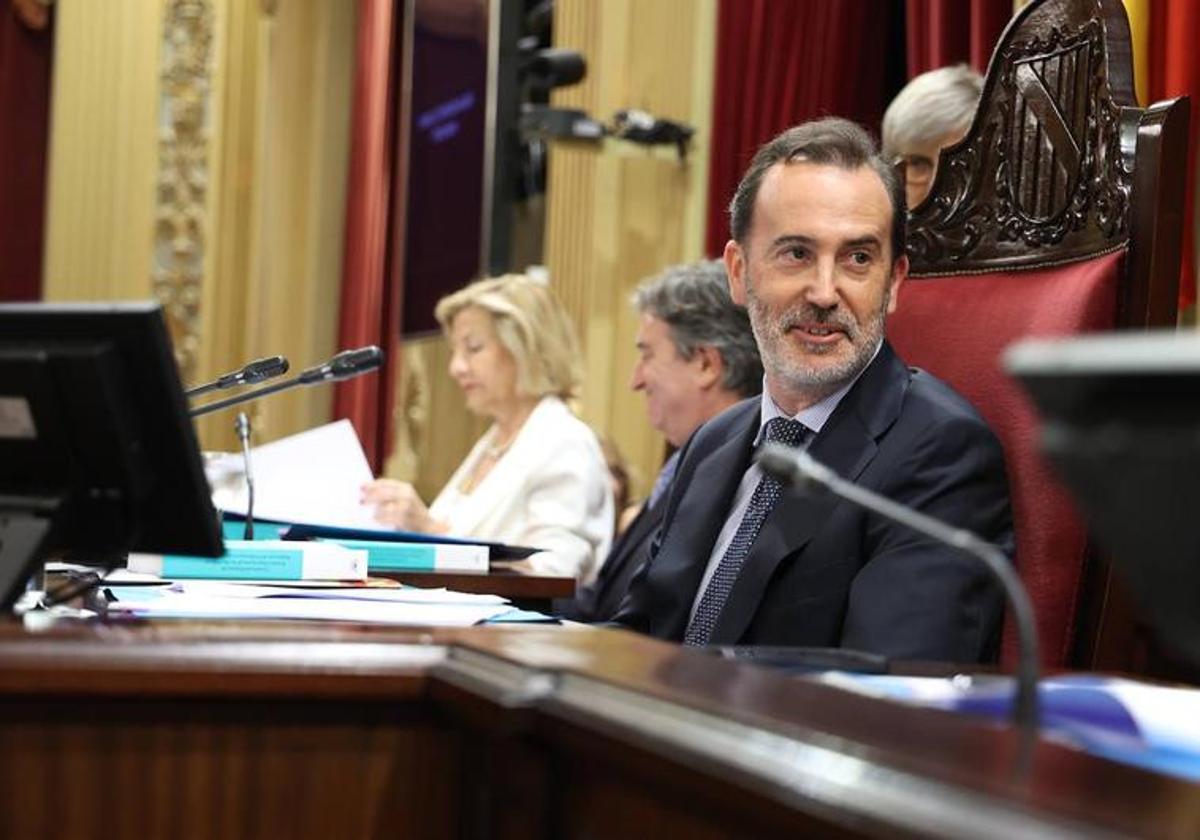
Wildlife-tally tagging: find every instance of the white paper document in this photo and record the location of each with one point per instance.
(381, 594)
(313, 477)
(171, 605)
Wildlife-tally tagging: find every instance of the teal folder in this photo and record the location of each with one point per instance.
(420, 557)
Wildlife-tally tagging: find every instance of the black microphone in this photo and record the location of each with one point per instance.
(796, 467)
(344, 365)
(257, 371)
(347, 364)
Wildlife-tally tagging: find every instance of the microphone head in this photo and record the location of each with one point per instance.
(263, 369)
(344, 365)
(778, 461)
(353, 362)
(792, 466)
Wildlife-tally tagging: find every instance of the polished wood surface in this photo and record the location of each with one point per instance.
(301, 730)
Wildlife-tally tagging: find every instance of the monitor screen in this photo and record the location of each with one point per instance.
(98, 456)
(1121, 423)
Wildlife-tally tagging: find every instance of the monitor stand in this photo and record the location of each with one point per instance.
(22, 541)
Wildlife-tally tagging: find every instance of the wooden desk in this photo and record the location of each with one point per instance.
(526, 590)
(238, 731)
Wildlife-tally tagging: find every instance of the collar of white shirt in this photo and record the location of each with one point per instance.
(816, 415)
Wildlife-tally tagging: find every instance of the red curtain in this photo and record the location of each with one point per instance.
(780, 62)
(370, 311)
(26, 42)
(1175, 71)
(942, 32)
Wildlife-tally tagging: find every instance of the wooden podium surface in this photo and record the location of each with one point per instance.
(292, 730)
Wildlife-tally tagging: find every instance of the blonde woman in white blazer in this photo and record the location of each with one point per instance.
(537, 477)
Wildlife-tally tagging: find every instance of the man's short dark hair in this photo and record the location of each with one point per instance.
(693, 301)
(833, 142)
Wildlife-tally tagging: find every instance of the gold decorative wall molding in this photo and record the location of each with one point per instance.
(181, 214)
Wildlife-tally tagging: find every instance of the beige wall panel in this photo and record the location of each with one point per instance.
(618, 213)
(269, 198)
(293, 289)
(103, 150)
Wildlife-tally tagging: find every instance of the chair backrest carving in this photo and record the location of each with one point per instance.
(1058, 213)
(1045, 174)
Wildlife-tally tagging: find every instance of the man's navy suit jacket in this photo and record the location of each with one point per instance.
(823, 572)
(600, 600)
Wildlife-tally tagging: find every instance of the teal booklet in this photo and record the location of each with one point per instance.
(417, 557)
(260, 560)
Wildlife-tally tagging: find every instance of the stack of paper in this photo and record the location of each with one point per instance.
(220, 600)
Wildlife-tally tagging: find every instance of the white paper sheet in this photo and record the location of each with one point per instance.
(382, 594)
(319, 609)
(313, 477)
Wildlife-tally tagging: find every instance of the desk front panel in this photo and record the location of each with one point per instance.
(240, 731)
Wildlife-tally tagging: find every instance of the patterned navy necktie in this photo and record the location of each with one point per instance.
(766, 494)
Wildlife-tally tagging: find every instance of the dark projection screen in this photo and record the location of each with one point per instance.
(446, 155)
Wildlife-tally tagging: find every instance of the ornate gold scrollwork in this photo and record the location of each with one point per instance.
(183, 176)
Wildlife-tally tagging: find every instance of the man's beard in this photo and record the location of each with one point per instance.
(782, 361)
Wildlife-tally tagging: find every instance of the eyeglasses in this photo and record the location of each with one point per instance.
(918, 169)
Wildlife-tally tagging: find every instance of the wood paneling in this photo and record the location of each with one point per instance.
(135, 769)
(619, 213)
(291, 730)
(103, 150)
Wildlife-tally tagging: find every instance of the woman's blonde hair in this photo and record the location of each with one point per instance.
(532, 325)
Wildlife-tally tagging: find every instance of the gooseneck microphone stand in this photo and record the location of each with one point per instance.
(797, 467)
(242, 427)
(257, 371)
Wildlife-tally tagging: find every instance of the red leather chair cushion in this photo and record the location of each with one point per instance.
(957, 327)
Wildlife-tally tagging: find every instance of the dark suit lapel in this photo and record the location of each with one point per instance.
(637, 531)
(707, 489)
(846, 444)
(632, 541)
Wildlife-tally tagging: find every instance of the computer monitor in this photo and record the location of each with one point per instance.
(97, 454)
(1121, 422)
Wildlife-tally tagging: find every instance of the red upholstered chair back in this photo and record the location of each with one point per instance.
(1051, 217)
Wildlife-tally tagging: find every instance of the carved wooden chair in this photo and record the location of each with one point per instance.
(1058, 213)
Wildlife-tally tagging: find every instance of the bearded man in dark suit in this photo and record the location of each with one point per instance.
(818, 226)
(696, 358)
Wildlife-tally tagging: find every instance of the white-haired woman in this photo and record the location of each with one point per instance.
(537, 477)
